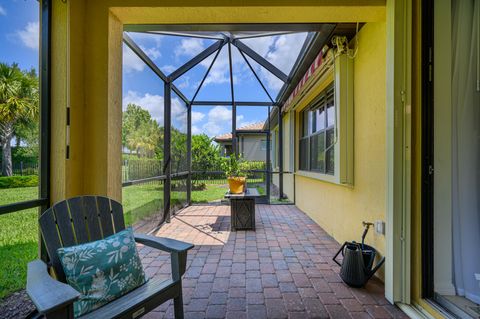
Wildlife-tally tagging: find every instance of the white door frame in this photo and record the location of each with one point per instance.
(398, 104)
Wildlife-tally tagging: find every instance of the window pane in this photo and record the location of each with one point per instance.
(305, 123)
(311, 122)
(263, 144)
(330, 161)
(330, 138)
(317, 152)
(329, 155)
(320, 114)
(330, 113)
(303, 154)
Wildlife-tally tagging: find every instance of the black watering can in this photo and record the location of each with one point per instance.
(356, 268)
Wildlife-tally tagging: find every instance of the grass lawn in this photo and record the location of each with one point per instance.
(18, 239)
(140, 201)
(19, 230)
(211, 193)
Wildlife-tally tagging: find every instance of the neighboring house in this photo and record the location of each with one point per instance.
(252, 142)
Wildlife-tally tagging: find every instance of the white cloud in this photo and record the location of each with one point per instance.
(212, 129)
(3, 12)
(220, 114)
(189, 47)
(196, 130)
(219, 121)
(285, 51)
(216, 76)
(197, 117)
(30, 35)
(168, 68)
(220, 71)
(184, 82)
(216, 122)
(132, 63)
(153, 53)
(282, 51)
(271, 80)
(151, 102)
(261, 45)
(147, 39)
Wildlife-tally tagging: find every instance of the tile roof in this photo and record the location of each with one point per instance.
(258, 126)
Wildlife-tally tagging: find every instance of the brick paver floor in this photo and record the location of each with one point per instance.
(284, 269)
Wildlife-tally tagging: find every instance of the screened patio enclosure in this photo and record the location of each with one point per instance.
(244, 52)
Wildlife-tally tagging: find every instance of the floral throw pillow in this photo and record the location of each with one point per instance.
(102, 270)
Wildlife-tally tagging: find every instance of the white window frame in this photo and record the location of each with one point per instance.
(343, 153)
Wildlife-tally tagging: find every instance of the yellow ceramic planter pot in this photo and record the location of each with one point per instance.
(236, 184)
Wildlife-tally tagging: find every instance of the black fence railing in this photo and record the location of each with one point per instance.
(24, 168)
(140, 169)
(218, 177)
(143, 170)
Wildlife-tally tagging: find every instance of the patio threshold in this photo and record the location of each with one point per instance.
(284, 269)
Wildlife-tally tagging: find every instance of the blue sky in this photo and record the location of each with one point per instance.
(140, 85)
(19, 32)
(19, 35)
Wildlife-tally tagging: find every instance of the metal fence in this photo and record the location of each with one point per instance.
(22, 168)
(219, 178)
(133, 170)
(140, 169)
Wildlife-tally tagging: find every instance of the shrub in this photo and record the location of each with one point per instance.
(18, 181)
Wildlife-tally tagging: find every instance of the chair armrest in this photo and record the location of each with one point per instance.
(165, 244)
(47, 294)
(177, 249)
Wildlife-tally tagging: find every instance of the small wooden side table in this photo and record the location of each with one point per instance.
(242, 209)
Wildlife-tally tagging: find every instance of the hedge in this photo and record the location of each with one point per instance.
(18, 181)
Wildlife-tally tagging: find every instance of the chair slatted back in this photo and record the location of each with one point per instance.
(77, 221)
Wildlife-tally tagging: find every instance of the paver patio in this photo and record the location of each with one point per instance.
(282, 270)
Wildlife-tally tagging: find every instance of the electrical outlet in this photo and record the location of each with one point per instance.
(380, 227)
(477, 277)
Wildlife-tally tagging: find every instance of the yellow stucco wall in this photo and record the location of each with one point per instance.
(339, 209)
(59, 98)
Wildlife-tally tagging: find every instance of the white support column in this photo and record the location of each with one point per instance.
(399, 40)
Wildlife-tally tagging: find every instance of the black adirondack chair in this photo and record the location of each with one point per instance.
(88, 218)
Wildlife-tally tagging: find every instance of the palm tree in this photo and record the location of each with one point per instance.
(145, 138)
(18, 102)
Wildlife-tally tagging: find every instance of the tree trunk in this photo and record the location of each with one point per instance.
(6, 134)
(7, 158)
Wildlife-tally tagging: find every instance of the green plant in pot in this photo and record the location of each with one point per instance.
(236, 178)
